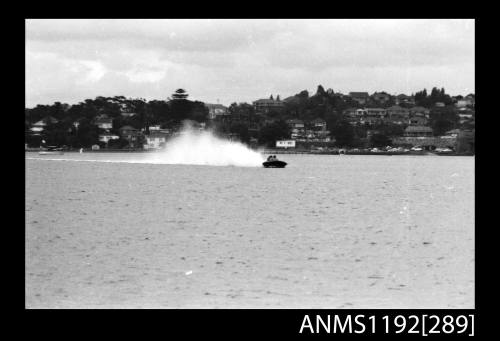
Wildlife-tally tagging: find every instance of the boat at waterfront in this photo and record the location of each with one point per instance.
(52, 150)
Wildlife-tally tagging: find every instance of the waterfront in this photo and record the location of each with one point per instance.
(326, 232)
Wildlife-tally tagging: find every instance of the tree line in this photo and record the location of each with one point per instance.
(243, 120)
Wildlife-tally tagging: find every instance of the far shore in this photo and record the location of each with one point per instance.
(271, 151)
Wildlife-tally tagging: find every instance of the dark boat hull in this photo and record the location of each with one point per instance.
(274, 164)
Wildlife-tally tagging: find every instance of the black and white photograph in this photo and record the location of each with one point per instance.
(250, 163)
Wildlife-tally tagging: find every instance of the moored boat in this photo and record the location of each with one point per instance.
(52, 150)
(51, 153)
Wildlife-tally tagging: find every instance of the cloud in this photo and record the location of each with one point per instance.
(241, 60)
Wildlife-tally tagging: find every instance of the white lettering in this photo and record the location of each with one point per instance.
(360, 324)
(348, 322)
(306, 318)
(325, 326)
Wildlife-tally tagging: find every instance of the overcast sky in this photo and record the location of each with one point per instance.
(243, 60)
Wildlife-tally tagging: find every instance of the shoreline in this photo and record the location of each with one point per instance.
(275, 151)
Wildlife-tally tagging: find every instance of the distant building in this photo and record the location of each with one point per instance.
(155, 140)
(267, 105)
(295, 124)
(439, 104)
(39, 126)
(285, 144)
(465, 115)
(106, 137)
(128, 113)
(404, 99)
(371, 132)
(104, 122)
(216, 110)
(417, 121)
(131, 134)
(354, 112)
(360, 97)
(375, 112)
(419, 111)
(468, 101)
(371, 120)
(318, 124)
(381, 97)
(397, 114)
(418, 131)
(451, 134)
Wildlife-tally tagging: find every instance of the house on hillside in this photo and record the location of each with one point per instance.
(297, 128)
(371, 120)
(465, 115)
(417, 121)
(375, 112)
(397, 114)
(404, 99)
(103, 122)
(354, 112)
(381, 97)
(128, 113)
(360, 97)
(419, 111)
(132, 135)
(216, 111)
(418, 131)
(40, 126)
(295, 124)
(155, 140)
(106, 137)
(266, 105)
(451, 134)
(468, 101)
(318, 124)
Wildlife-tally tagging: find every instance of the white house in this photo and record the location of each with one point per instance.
(40, 125)
(215, 110)
(155, 140)
(104, 122)
(106, 137)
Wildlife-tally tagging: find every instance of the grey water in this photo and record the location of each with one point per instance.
(324, 232)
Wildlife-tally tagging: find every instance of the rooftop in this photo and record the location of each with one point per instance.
(294, 121)
(267, 101)
(215, 106)
(358, 94)
(418, 129)
(128, 128)
(397, 107)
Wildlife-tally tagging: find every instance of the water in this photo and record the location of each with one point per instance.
(325, 232)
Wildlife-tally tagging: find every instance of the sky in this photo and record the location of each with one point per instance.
(242, 60)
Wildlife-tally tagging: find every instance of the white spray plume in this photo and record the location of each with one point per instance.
(194, 147)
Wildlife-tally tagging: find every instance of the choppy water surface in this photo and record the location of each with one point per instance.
(325, 232)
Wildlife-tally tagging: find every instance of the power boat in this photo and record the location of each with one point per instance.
(273, 162)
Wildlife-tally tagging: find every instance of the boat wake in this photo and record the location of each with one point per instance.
(191, 147)
(204, 148)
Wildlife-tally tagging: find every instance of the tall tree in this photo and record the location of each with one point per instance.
(180, 94)
(320, 91)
